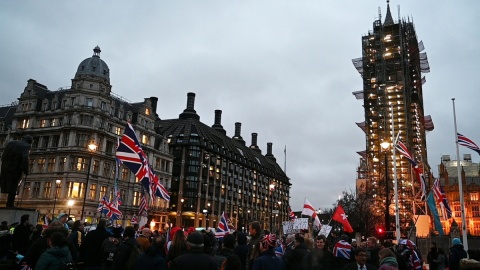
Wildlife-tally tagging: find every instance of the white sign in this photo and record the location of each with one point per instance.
(300, 224)
(325, 230)
(288, 227)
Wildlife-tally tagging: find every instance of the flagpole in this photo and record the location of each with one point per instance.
(460, 183)
(285, 160)
(397, 214)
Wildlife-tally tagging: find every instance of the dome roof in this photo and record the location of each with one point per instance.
(94, 66)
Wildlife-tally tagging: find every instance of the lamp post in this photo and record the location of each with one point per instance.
(91, 148)
(385, 145)
(70, 204)
(57, 184)
(181, 209)
(272, 187)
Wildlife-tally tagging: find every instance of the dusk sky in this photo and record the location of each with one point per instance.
(281, 68)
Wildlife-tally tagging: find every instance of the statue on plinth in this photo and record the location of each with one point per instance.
(14, 165)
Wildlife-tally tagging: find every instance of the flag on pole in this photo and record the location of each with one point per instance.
(143, 207)
(131, 154)
(101, 203)
(340, 216)
(109, 209)
(402, 148)
(134, 219)
(309, 210)
(433, 210)
(464, 141)
(442, 200)
(222, 228)
(291, 214)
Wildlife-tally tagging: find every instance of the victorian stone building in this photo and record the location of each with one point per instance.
(63, 172)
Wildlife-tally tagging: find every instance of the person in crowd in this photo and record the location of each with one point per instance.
(229, 242)
(194, 258)
(410, 254)
(144, 239)
(57, 256)
(432, 256)
(402, 264)
(457, 252)
(309, 243)
(320, 257)
(441, 260)
(372, 251)
(154, 257)
(41, 244)
(128, 251)
(354, 244)
(360, 263)
(267, 260)
(63, 218)
(256, 234)
(289, 245)
(178, 246)
(91, 247)
(232, 263)
(37, 233)
(109, 247)
(241, 249)
(171, 235)
(342, 252)
(4, 226)
(294, 260)
(388, 260)
(76, 237)
(21, 235)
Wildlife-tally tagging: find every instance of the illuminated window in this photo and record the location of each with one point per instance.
(92, 192)
(476, 211)
(43, 123)
(80, 164)
(47, 189)
(144, 139)
(36, 189)
(125, 174)
(24, 123)
(96, 166)
(136, 198)
(75, 189)
(51, 165)
(147, 111)
(61, 166)
(474, 196)
(26, 190)
(41, 164)
(118, 131)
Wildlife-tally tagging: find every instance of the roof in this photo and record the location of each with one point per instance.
(94, 66)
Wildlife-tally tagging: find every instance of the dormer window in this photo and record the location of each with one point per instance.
(147, 111)
(89, 102)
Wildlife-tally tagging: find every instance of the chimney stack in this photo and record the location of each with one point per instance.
(254, 145)
(190, 112)
(269, 152)
(238, 131)
(218, 122)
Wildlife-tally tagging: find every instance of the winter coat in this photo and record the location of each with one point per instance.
(221, 256)
(92, 246)
(154, 258)
(254, 248)
(241, 251)
(21, 238)
(440, 262)
(388, 263)
(268, 261)
(457, 252)
(318, 258)
(295, 258)
(122, 258)
(194, 259)
(54, 258)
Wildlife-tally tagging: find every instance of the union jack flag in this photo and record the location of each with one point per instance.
(291, 214)
(101, 204)
(110, 209)
(222, 228)
(134, 219)
(464, 141)
(130, 153)
(402, 148)
(342, 249)
(143, 208)
(442, 199)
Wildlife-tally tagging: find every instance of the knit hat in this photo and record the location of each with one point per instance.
(195, 238)
(61, 215)
(268, 241)
(456, 241)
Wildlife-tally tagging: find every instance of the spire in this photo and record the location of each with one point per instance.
(388, 17)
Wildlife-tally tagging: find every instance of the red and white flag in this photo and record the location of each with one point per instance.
(309, 210)
(341, 217)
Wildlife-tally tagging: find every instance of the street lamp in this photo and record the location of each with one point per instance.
(57, 185)
(91, 148)
(385, 145)
(272, 187)
(70, 204)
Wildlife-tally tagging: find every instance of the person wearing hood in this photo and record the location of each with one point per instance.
(267, 259)
(457, 252)
(388, 260)
(57, 256)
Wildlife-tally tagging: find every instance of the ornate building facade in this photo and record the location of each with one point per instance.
(215, 174)
(391, 67)
(470, 173)
(63, 173)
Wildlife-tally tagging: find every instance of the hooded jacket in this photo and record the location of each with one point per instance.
(388, 263)
(54, 258)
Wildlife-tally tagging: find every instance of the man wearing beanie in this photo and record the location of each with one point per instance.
(267, 259)
(195, 258)
(457, 252)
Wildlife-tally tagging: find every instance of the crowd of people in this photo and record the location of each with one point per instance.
(65, 245)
